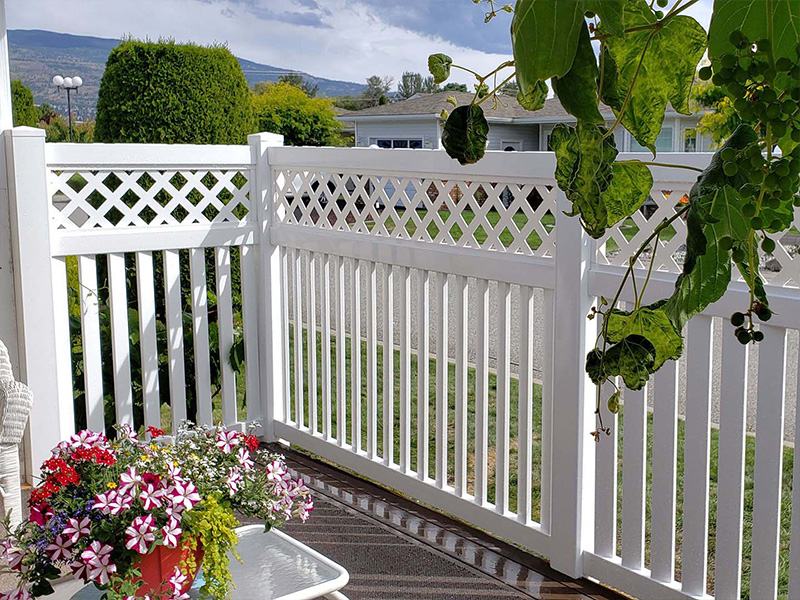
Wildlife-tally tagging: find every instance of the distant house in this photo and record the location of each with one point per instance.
(416, 123)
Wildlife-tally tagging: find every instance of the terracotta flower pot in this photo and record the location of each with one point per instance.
(158, 567)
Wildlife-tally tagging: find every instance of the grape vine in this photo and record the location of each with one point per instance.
(638, 57)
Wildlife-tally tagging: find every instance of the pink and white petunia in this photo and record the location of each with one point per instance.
(177, 581)
(85, 439)
(14, 555)
(126, 432)
(76, 529)
(80, 569)
(227, 441)
(171, 532)
(277, 474)
(119, 503)
(102, 502)
(151, 497)
(174, 471)
(244, 459)
(129, 480)
(234, 480)
(183, 494)
(20, 594)
(98, 558)
(60, 549)
(141, 534)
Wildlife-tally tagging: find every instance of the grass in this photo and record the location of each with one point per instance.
(785, 513)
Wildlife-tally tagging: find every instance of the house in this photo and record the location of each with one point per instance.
(416, 123)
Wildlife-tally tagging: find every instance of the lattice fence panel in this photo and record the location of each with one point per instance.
(504, 217)
(104, 199)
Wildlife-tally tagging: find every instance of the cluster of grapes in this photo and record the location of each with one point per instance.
(749, 77)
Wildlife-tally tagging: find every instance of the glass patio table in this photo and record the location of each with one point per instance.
(274, 567)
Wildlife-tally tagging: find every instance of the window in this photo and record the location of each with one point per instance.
(690, 140)
(663, 142)
(414, 144)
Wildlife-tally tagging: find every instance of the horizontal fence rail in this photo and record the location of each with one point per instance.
(423, 324)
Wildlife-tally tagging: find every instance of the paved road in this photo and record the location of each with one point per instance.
(540, 351)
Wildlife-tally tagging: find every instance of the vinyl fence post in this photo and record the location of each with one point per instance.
(572, 514)
(270, 338)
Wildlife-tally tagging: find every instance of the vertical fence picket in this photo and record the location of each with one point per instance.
(404, 311)
(355, 352)
(311, 338)
(370, 280)
(730, 481)
(325, 324)
(503, 396)
(794, 540)
(769, 463)
(177, 373)
(90, 340)
(442, 383)
(249, 269)
(285, 305)
(299, 389)
(606, 488)
(341, 348)
(525, 406)
(548, 339)
(388, 364)
(481, 391)
(665, 442)
(202, 363)
(222, 261)
(145, 283)
(461, 298)
(634, 469)
(695, 451)
(120, 339)
(423, 375)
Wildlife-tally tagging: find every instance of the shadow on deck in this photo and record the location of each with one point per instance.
(395, 549)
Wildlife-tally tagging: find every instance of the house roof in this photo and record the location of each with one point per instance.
(431, 105)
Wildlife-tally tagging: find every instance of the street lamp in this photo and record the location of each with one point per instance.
(70, 84)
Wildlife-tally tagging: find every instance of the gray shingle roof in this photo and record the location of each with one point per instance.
(432, 105)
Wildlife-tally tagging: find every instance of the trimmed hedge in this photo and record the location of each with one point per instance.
(22, 107)
(173, 94)
(286, 109)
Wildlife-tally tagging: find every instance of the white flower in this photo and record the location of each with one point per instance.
(151, 497)
(129, 480)
(98, 559)
(183, 494)
(77, 529)
(177, 581)
(140, 534)
(60, 548)
(234, 480)
(171, 532)
(244, 459)
(227, 441)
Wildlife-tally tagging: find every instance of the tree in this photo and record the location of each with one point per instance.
(46, 113)
(169, 93)
(455, 87)
(57, 130)
(413, 83)
(23, 109)
(297, 80)
(376, 87)
(510, 89)
(284, 108)
(723, 119)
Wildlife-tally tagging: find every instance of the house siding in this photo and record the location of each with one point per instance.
(528, 135)
(368, 132)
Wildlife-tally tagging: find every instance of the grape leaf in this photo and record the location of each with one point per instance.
(653, 324)
(544, 36)
(465, 134)
(439, 66)
(583, 170)
(534, 99)
(751, 18)
(665, 58)
(632, 358)
(577, 90)
(629, 189)
(610, 12)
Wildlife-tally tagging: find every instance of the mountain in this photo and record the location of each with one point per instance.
(36, 56)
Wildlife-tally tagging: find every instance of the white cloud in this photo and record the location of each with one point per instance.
(358, 42)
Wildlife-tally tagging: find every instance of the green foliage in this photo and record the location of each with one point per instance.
(455, 87)
(414, 83)
(722, 120)
(58, 131)
(439, 66)
(169, 93)
(535, 98)
(465, 134)
(577, 89)
(23, 110)
(311, 90)
(284, 108)
(214, 524)
(649, 68)
(377, 87)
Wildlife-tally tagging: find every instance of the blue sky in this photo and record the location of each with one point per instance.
(338, 39)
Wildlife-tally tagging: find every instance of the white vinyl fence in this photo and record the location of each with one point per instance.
(421, 323)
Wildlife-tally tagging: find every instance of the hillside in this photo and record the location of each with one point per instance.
(37, 55)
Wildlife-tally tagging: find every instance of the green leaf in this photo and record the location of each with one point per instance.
(653, 324)
(465, 134)
(668, 55)
(534, 99)
(439, 66)
(583, 170)
(544, 36)
(577, 90)
(632, 358)
(629, 189)
(610, 12)
(752, 17)
(613, 403)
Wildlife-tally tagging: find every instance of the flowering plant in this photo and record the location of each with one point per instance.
(103, 505)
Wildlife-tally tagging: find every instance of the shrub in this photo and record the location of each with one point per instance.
(24, 111)
(172, 93)
(286, 109)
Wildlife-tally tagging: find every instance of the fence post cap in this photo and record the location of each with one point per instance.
(26, 132)
(270, 139)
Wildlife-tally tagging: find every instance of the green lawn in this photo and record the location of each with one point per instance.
(536, 451)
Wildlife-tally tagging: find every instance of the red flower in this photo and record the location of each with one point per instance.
(41, 513)
(252, 443)
(155, 431)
